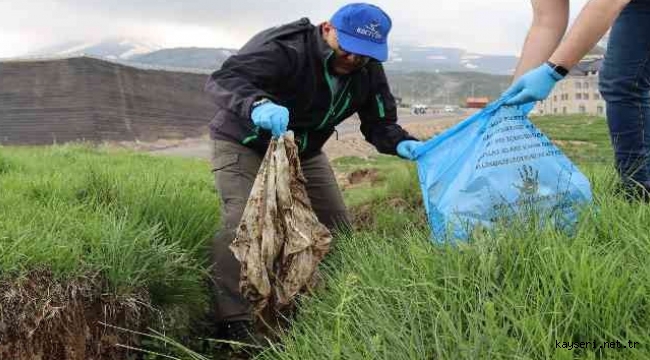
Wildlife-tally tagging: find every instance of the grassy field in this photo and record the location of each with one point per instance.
(584, 139)
(142, 223)
(134, 225)
(507, 296)
(520, 293)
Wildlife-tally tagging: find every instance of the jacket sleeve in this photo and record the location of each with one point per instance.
(379, 114)
(246, 77)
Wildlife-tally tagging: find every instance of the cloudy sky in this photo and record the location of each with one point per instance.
(484, 26)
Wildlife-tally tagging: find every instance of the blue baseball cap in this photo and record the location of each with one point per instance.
(363, 29)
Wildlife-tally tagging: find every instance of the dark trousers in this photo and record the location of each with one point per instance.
(235, 168)
(625, 85)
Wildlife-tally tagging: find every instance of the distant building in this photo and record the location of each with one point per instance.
(476, 102)
(577, 93)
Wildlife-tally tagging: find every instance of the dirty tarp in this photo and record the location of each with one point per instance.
(279, 242)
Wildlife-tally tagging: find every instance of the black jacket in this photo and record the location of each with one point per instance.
(287, 64)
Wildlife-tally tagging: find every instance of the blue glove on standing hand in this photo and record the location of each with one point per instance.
(271, 117)
(406, 148)
(533, 86)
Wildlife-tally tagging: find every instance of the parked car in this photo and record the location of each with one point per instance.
(419, 109)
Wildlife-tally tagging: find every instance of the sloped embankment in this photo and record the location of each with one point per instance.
(90, 242)
(43, 318)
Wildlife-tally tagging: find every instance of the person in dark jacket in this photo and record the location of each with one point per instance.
(305, 78)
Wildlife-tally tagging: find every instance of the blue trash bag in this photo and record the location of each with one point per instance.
(494, 166)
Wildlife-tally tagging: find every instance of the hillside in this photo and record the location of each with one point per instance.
(427, 75)
(439, 59)
(418, 74)
(112, 48)
(82, 98)
(199, 58)
(402, 58)
(445, 88)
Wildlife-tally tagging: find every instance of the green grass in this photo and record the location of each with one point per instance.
(509, 295)
(389, 204)
(395, 180)
(583, 139)
(137, 221)
(389, 293)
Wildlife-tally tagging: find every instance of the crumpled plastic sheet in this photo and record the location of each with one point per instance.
(279, 241)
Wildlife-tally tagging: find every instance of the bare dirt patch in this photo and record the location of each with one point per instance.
(158, 145)
(575, 143)
(351, 143)
(42, 318)
(354, 144)
(359, 177)
(363, 217)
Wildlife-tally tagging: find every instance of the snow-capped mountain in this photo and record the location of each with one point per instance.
(440, 59)
(402, 57)
(190, 57)
(122, 48)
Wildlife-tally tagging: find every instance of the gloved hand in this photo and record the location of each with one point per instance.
(528, 107)
(533, 86)
(406, 148)
(271, 117)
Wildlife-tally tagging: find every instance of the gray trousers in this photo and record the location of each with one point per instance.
(235, 168)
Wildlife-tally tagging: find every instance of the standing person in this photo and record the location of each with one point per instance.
(624, 77)
(307, 79)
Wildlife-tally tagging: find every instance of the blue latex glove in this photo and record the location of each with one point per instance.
(526, 108)
(271, 117)
(534, 85)
(406, 148)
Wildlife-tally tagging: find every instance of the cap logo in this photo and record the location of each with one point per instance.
(371, 30)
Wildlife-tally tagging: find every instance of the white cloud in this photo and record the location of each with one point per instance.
(178, 35)
(12, 44)
(494, 26)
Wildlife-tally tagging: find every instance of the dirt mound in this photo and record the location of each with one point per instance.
(41, 318)
(363, 175)
(363, 217)
(347, 144)
(357, 178)
(353, 144)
